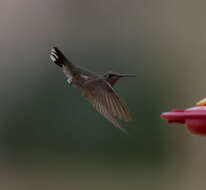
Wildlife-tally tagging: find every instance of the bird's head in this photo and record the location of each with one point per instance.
(113, 77)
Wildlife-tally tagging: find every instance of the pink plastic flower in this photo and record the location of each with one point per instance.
(194, 118)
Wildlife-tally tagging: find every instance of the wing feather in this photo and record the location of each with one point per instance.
(103, 111)
(106, 101)
(103, 91)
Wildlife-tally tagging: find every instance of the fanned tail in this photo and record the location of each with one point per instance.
(58, 57)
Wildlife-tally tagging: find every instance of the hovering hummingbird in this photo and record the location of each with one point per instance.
(98, 89)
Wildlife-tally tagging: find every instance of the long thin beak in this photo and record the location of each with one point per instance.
(127, 75)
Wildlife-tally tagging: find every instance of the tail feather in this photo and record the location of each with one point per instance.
(58, 57)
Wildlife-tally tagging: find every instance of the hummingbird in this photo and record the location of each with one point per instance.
(97, 89)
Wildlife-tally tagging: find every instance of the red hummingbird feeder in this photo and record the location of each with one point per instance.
(194, 118)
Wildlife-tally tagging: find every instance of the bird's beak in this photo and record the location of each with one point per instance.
(127, 75)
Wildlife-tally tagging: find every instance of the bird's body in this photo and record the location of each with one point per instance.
(98, 89)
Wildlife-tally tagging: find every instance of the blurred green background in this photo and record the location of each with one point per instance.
(51, 138)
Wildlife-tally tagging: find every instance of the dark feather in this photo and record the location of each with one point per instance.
(106, 101)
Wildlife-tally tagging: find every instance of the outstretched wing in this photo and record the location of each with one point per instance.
(103, 110)
(106, 101)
